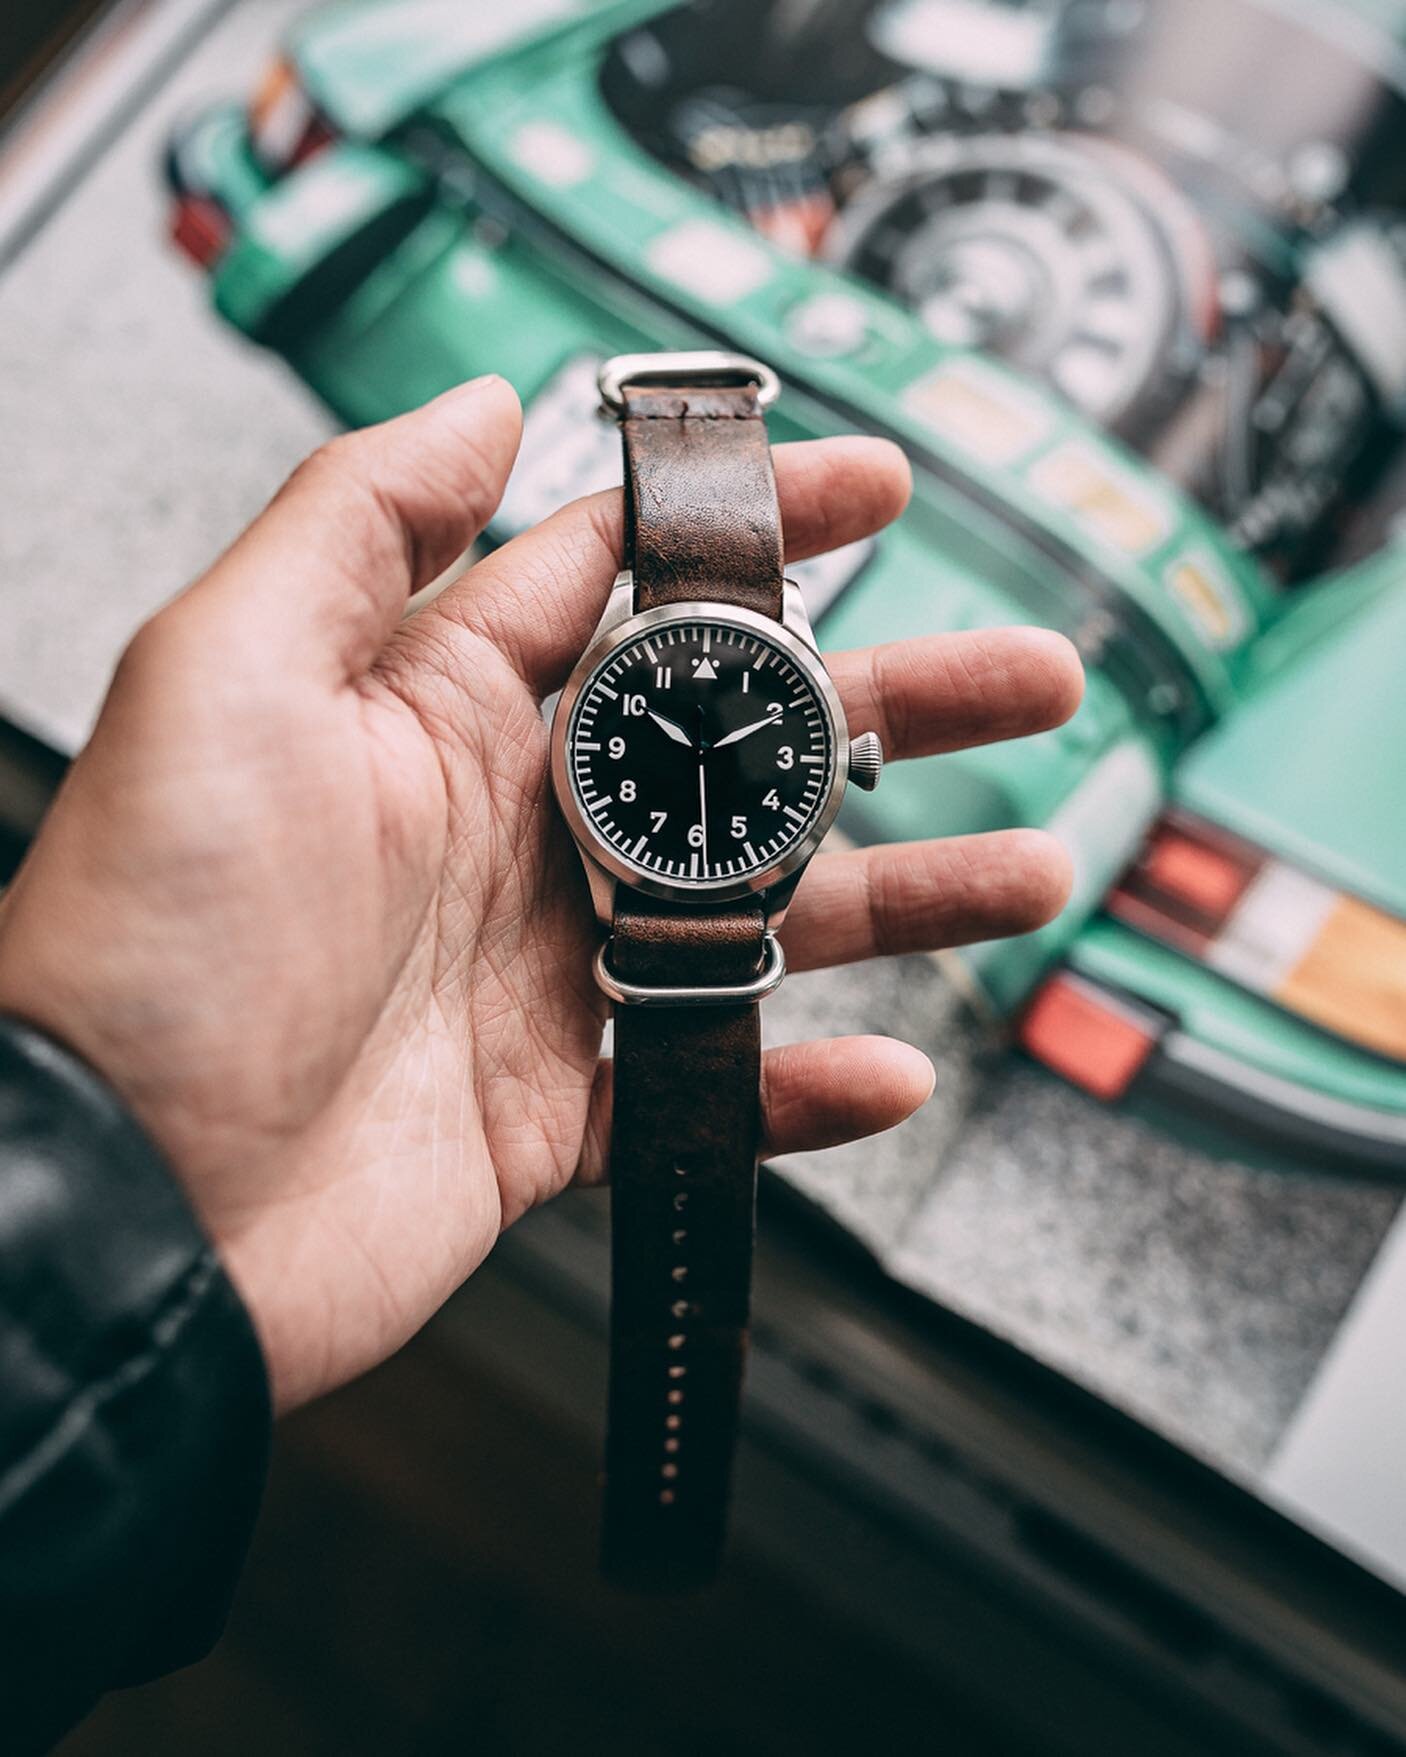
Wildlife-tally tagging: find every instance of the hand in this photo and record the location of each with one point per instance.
(306, 901)
(745, 731)
(677, 733)
(703, 812)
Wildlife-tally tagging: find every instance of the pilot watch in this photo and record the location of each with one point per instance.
(699, 754)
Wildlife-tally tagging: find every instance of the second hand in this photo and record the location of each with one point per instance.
(703, 812)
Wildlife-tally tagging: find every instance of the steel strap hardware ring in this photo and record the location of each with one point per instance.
(644, 994)
(705, 366)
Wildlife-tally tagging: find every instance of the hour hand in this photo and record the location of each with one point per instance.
(675, 732)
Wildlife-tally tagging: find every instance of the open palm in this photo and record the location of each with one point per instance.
(305, 899)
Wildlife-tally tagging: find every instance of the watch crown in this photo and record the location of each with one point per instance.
(866, 761)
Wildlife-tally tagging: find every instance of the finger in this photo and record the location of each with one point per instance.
(920, 896)
(538, 598)
(814, 1095)
(822, 1094)
(321, 578)
(944, 692)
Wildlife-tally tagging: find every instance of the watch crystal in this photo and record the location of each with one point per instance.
(701, 752)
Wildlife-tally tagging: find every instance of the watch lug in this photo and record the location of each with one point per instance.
(618, 606)
(602, 887)
(794, 614)
(778, 899)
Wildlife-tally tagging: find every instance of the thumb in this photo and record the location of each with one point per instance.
(320, 579)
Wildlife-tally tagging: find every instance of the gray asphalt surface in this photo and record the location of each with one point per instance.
(137, 435)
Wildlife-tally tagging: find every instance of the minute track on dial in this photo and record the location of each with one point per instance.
(742, 790)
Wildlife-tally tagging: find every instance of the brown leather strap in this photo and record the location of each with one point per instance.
(683, 1192)
(701, 517)
(702, 523)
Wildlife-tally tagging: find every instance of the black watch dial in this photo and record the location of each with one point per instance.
(701, 752)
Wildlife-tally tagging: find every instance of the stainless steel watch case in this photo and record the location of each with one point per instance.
(620, 624)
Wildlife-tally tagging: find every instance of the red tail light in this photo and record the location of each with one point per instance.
(1185, 883)
(200, 227)
(1089, 1036)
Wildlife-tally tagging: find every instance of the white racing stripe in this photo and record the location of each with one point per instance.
(1271, 928)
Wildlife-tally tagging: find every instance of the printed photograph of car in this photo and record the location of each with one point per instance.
(1139, 321)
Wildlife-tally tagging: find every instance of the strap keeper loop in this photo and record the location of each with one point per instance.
(706, 366)
(647, 994)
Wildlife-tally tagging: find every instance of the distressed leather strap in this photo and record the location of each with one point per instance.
(683, 1193)
(701, 516)
(702, 523)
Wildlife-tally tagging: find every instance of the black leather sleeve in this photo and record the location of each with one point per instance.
(134, 1404)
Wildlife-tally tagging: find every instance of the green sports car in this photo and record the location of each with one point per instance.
(1136, 310)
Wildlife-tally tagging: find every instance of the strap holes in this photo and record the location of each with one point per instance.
(671, 1445)
(675, 1396)
(679, 1308)
(679, 1272)
(679, 1236)
(673, 1421)
(669, 1470)
(666, 1497)
(677, 1340)
(680, 1201)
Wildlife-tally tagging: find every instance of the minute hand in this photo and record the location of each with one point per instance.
(746, 731)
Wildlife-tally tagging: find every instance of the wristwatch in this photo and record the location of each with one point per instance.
(699, 754)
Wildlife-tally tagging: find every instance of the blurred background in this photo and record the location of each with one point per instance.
(1075, 1421)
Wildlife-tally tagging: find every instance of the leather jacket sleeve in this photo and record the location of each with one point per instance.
(134, 1404)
